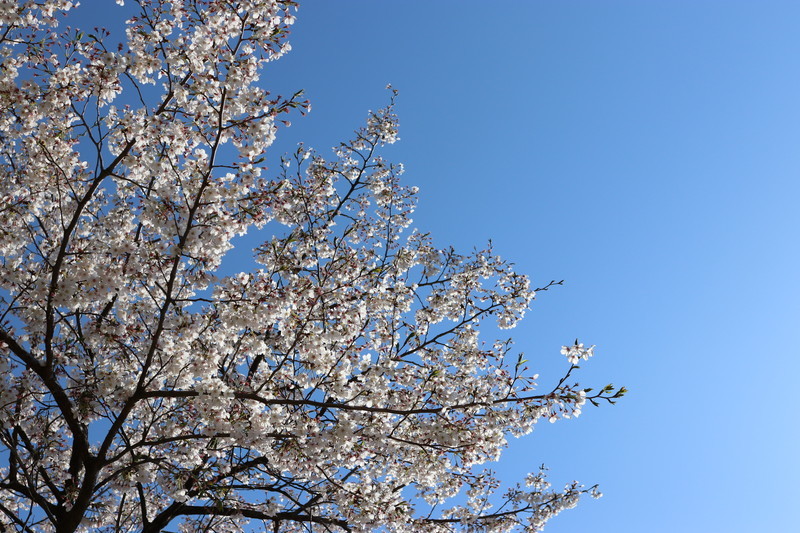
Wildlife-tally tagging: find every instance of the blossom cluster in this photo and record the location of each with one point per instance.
(576, 352)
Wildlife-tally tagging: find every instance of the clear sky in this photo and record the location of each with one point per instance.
(647, 153)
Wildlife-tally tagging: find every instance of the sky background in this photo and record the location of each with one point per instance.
(647, 153)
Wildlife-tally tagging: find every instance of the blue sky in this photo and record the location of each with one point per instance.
(647, 153)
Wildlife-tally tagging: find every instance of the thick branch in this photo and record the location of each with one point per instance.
(175, 510)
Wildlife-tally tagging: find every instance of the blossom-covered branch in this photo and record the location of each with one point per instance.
(340, 386)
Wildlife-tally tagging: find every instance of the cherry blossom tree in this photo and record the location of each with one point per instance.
(340, 386)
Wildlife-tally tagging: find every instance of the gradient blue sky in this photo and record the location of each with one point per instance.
(646, 152)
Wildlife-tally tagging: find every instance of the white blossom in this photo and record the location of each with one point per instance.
(576, 352)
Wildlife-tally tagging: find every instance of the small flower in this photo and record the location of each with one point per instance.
(576, 352)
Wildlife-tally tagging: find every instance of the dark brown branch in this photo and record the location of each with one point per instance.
(175, 510)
